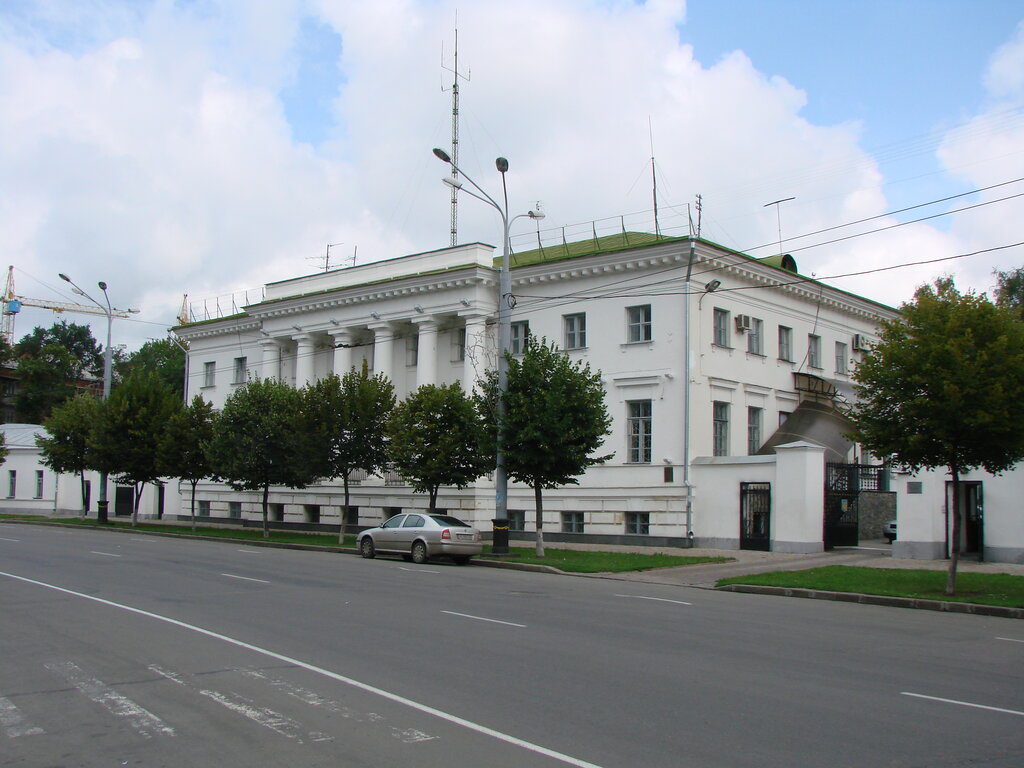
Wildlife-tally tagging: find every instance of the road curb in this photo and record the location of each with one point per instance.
(892, 602)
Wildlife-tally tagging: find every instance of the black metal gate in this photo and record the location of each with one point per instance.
(843, 484)
(755, 516)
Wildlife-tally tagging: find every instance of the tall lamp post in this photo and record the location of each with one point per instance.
(499, 543)
(101, 503)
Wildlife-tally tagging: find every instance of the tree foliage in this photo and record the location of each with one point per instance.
(435, 438)
(126, 441)
(943, 388)
(184, 443)
(1010, 290)
(259, 440)
(555, 419)
(65, 447)
(51, 363)
(347, 420)
(78, 340)
(163, 357)
(4, 450)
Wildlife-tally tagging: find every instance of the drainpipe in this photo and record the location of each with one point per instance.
(686, 393)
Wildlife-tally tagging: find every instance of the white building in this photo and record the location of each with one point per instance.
(747, 342)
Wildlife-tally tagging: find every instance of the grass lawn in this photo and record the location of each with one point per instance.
(580, 561)
(244, 534)
(982, 588)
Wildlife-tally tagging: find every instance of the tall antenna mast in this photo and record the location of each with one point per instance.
(455, 129)
(654, 179)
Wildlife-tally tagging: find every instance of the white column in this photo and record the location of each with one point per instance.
(303, 359)
(475, 362)
(270, 365)
(383, 349)
(342, 351)
(426, 358)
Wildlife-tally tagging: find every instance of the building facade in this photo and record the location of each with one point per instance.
(705, 367)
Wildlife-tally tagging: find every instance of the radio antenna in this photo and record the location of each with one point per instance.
(455, 127)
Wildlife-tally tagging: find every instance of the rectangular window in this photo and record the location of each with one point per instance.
(638, 522)
(39, 483)
(203, 507)
(575, 330)
(721, 328)
(639, 424)
(516, 519)
(720, 421)
(783, 415)
(754, 419)
(209, 374)
(412, 350)
(520, 331)
(239, 371)
(572, 522)
(840, 357)
(458, 345)
(813, 351)
(785, 343)
(234, 509)
(12, 483)
(755, 337)
(638, 324)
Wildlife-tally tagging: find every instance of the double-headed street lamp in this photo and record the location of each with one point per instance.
(101, 503)
(499, 543)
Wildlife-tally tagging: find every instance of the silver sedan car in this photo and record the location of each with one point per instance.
(419, 536)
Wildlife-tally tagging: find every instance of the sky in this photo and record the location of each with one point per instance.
(207, 147)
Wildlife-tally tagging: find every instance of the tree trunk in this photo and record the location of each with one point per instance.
(194, 483)
(138, 487)
(266, 521)
(344, 512)
(85, 505)
(954, 555)
(433, 499)
(539, 504)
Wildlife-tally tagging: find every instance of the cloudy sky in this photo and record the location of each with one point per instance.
(205, 147)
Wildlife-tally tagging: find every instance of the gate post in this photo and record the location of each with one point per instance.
(799, 498)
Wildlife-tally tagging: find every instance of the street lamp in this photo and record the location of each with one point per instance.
(101, 503)
(499, 544)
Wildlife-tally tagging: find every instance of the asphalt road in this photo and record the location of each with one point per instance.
(119, 649)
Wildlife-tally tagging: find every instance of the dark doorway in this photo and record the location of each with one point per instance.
(124, 500)
(972, 521)
(755, 516)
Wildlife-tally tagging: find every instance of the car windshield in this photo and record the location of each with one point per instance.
(452, 522)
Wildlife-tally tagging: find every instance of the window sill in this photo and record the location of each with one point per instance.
(785, 360)
(643, 343)
(720, 346)
(756, 354)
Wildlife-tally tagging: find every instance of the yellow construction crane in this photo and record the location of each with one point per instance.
(12, 304)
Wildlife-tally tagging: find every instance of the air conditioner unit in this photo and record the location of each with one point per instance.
(744, 323)
(861, 343)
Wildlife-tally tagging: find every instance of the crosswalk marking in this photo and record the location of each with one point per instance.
(13, 722)
(141, 719)
(263, 716)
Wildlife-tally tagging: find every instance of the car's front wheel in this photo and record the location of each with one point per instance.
(366, 548)
(419, 553)
(461, 559)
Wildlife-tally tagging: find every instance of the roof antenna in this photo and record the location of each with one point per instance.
(778, 216)
(654, 179)
(455, 128)
(326, 257)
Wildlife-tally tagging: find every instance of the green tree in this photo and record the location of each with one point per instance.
(435, 439)
(555, 419)
(1010, 290)
(126, 441)
(65, 448)
(183, 446)
(348, 417)
(259, 440)
(4, 450)
(163, 357)
(45, 380)
(943, 388)
(76, 339)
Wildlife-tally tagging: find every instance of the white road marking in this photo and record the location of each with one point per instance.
(142, 720)
(268, 718)
(105, 554)
(964, 703)
(244, 578)
(659, 599)
(248, 551)
(1010, 639)
(441, 714)
(314, 699)
(4, 538)
(13, 722)
(481, 618)
(416, 570)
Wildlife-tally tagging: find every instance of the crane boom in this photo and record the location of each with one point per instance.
(13, 303)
